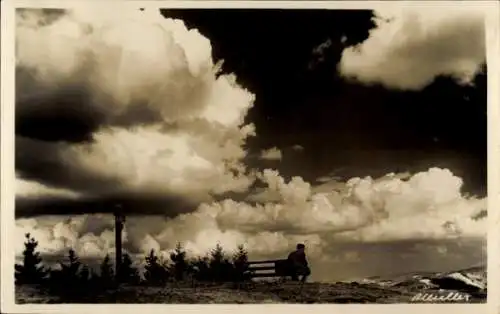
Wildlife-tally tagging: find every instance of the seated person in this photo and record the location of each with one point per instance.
(298, 263)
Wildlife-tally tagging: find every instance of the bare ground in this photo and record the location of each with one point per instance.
(227, 293)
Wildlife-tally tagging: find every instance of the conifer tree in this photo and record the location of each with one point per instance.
(106, 274)
(31, 271)
(84, 273)
(70, 270)
(220, 267)
(68, 280)
(179, 267)
(155, 273)
(217, 254)
(84, 278)
(240, 259)
(128, 273)
(201, 268)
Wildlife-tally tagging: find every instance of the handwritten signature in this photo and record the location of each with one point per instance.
(441, 297)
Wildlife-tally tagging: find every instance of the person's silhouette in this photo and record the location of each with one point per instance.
(298, 263)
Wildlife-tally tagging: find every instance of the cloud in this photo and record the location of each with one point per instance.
(413, 45)
(26, 188)
(272, 153)
(130, 104)
(120, 63)
(365, 209)
(326, 179)
(89, 235)
(428, 206)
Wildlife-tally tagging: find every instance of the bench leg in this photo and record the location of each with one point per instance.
(301, 286)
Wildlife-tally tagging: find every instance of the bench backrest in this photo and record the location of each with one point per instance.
(272, 268)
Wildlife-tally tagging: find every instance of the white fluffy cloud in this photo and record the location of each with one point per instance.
(88, 235)
(272, 153)
(412, 45)
(169, 121)
(146, 159)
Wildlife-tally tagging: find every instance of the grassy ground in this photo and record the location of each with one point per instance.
(226, 293)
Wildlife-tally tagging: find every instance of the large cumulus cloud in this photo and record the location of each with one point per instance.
(125, 104)
(412, 45)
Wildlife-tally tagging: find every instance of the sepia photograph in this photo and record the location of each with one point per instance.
(246, 155)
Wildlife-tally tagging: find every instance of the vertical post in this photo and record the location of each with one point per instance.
(119, 220)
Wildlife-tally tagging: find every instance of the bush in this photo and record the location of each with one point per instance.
(31, 271)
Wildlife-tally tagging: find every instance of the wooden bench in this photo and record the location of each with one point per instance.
(280, 268)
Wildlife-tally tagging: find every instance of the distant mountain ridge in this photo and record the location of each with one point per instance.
(471, 281)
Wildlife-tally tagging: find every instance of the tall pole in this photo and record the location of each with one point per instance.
(119, 220)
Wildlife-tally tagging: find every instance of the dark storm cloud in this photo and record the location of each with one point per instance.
(126, 202)
(43, 162)
(71, 112)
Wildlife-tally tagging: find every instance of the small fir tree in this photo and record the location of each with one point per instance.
(31, 271)
(179, 266)
(240, 260)
(220, 267)
(128, 273)
(155, 273)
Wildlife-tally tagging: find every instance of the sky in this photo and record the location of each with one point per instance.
(360, 133)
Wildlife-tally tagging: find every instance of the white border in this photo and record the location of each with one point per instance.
(492, 23)
(8, 173)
